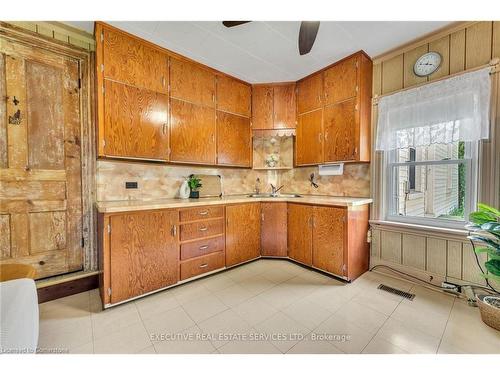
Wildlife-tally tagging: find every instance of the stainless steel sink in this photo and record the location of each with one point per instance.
(274, 196)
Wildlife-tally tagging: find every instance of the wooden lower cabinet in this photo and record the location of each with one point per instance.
(300, 237)
(242, 233)
(143, 253)
(273, 237)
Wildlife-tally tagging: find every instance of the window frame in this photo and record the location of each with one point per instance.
(471, 162)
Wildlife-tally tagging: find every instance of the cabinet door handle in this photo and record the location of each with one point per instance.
(164, 128)
(174, 230)
(203, 229)
(204, 247)
(204, 265)
(319, 137)
(203, 212)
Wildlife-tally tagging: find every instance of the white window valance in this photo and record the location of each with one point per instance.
(450, 110)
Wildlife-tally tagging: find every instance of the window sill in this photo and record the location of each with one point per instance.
(419, 228)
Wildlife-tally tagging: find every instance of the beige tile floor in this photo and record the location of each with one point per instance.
(288, 308)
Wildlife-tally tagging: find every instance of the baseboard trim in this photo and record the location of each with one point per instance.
(67, 288)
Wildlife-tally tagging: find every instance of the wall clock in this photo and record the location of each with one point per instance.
(427, 64)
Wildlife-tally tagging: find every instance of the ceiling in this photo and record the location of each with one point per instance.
(267, 51)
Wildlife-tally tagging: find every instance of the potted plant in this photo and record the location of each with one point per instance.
(484, 227)
(194, 184)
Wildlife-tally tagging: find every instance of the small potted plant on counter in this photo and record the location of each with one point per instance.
(484, 227)
(194, 184)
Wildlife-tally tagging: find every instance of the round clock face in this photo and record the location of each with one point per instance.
(427, 64)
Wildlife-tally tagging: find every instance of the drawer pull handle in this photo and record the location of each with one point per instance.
(203, 229)
(203, 212)
(204, 265)
(204, 247)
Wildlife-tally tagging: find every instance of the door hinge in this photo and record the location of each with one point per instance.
(102, 36)
(103, 89)
(83, 242)
(109, 228)
(109, 292)
(103, 143)
(344, 268)
(102, 67)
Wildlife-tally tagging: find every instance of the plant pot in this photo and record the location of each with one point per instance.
(194, 194)
(489, 306)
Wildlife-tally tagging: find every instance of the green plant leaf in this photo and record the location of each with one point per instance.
(492, 253)
(488, 241)
(492, 227)
(493, 266)
(485, 208)
(480, 217)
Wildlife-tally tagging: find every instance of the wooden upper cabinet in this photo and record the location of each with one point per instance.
(284, 106)
(341, 131)
(341, 81)
(192, 133)
(129, 60)
(234, 141)
(192, 83)
(242, 233)
(309, 139)
(144, 253)
(274, 229)
(135, 122)
(262, 107)
(300, 218)
(329, 233)
(310, 93)
(233, 96)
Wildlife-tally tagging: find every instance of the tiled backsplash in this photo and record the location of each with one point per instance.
(163, 181)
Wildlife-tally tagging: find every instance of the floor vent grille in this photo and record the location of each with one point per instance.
(398, 292)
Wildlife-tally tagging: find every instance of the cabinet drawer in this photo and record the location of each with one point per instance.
(202, 229)
(198, 213)
(202, 265)
(202, 247)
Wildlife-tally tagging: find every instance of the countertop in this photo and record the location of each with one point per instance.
(153, 204)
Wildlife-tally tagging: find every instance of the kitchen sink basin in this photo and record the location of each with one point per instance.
(274, 196)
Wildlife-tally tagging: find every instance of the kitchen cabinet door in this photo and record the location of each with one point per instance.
(234, 146)
(329, 232)
(192, 83)
(144, 253)
(135, 122)
(192, 133)
(341, 131)
(300, 232)
(262, 107)
(310, 93)
(341, 81)
(274, 229)
(309, 139)
(131, 61)
(233, 96)
(284, 107)
(242, 233)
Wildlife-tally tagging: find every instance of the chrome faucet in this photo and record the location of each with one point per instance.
(257, 186)
(274, 191)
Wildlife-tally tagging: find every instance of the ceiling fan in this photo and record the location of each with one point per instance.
(307, 33)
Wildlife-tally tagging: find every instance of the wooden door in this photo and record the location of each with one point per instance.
(262, 107)
(310, 93)
(233, 96)
(234, 141)
(242, 233)
(299, 229)
(40, 160)
(192, 133)
(284, 107)
(135, 122)
(129, 60)
(274, 229)
(192, 83)
(144, 253)
(341, 81)
(309, 139)
(341, 131)
(329, 234)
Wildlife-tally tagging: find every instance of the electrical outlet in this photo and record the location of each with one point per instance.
(131, 185)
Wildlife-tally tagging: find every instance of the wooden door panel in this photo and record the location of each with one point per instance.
(329, 239)
(242, 233)
(144, 253)
(274, 229)
(192, 83)
(340, 131)
(308, 142)
(136, 122)
(233, 96)
(192, 133)
(262, 107)
(310, 93)
(284, 107)
(40, 198)
(341, 81)
(234, 145)
(300, 232)
(131, 61)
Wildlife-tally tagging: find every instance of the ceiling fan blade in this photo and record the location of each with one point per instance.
(307, 35)
(234, 23)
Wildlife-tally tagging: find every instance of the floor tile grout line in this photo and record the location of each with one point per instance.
(446, 325)
(144, 325)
